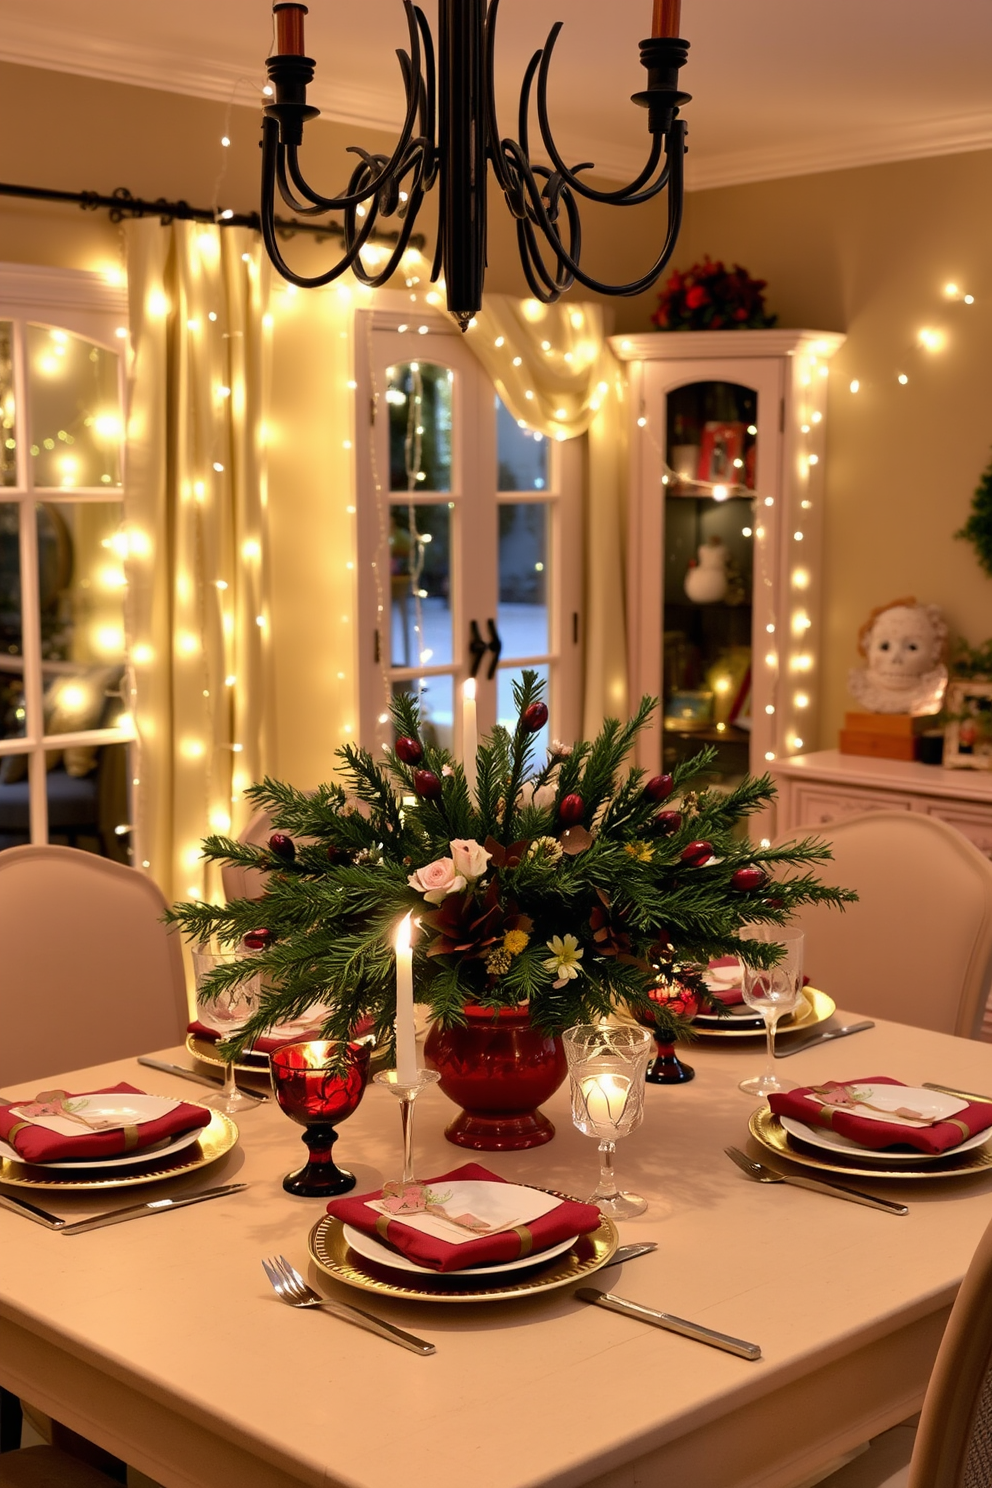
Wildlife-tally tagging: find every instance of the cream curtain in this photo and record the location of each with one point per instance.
(553, 368)
(196, 521)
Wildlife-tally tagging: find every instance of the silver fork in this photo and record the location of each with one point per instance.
(289, 1286)
(761, 1173)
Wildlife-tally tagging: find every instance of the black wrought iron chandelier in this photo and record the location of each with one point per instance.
(450, 135)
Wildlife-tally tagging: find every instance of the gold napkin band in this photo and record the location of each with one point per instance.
(18, 1126)
(130, 1134)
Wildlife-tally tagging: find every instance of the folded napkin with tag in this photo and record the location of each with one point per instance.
(21, 1126)
(429, 1222)
(267, 1043)
(829, 1106)
(723, 980)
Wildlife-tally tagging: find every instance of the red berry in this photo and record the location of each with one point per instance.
(659, 787)
(571, 810)
(427, 785)
(697, 853)
(534, 718)
(747, 879)
(668, 821)
(259, 940)
(284, 847)
(410, 751)
(336, 856)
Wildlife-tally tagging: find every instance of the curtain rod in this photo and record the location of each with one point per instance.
(121, 204)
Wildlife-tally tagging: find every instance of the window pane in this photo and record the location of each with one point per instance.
(87, 799)
(81, 592)
(8, 445)
(523, 578)
(507, 710)
(436, 698)
(11, 663)
(420, 585)
(522, 454)
(419, 399)
(74, 407)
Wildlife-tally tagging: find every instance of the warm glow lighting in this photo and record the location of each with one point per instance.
(156, 304)
(220, 821)
(188, 644)
(931, 340)
(251, 549)
(770, 658)
(951, 291)
(769, 754)
(902, 378)
(142, 655)
(800, 579)
(801, 700)
(797, 743)
(769, 708)
(112, 578)
(192, 749)
(108, 640)
(720, 493)
(855, 385)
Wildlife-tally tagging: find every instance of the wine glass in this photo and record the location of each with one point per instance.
(225, 1014)
(772, 992)
(318, 1083)
(607, 1067)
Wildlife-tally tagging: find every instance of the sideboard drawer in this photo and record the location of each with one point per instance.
(971, 822)
(817, 805)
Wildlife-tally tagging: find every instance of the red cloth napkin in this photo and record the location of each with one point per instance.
(36, 1144)
(729, 996)
(267, 1043)
(569, 1218)
(976, 1117)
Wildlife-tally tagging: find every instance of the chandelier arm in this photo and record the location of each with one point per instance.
(428, 103)
(377, 280)
(285, 160)
(492, 122)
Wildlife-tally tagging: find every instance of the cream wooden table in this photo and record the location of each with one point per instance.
(161, 1339)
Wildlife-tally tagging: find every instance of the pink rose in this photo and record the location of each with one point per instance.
(437, 880)
(470, 858)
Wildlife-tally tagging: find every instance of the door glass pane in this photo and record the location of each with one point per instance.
(81, 585)
(86, 788)
(419, 397)
(436, 697)
(712, 435)
(420, 585)
(507, 711)
(74, 407)
(8, 445)
(522, 454)
(11, 664)
(523, 578)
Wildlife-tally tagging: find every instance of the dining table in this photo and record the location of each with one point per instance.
(162, 1340)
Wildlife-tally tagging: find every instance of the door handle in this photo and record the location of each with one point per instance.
(478, 648)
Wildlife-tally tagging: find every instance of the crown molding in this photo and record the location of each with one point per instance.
(668, 346)
(35, 288)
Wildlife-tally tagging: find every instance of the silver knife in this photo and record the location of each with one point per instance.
(696, 1331)
(155, 1206)
(823, 1038)
(31, 1211)
(631, 1252)
(194, 1075)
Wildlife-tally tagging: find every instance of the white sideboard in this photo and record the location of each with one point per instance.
(814, 789)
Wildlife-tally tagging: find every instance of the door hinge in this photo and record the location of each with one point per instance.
(378, 649)
(781, 415)
(575, 627)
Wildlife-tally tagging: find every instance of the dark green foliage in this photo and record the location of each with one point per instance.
(637, 912)
(978, 528)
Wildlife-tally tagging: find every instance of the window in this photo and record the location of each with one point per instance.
(468, 538)
(64, 727)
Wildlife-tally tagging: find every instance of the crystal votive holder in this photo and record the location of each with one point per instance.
(406, 1093)
(319, 1083)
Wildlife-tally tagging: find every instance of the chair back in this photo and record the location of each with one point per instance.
(917, 947)
(88, 971)
(248, 883)
(954, 1440)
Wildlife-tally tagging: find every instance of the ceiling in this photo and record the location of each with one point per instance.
(781, 87)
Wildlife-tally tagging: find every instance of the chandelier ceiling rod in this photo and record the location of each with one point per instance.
(450, 137)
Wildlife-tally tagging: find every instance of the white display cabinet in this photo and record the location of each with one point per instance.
(727, 440)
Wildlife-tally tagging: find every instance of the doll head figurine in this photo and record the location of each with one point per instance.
(903, 646)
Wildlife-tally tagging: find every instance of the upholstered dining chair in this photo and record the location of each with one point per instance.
(917, 947)
(952, 1446)
(248, 883)
(89, 972)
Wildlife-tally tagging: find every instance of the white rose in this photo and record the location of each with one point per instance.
(470, 858)
(437, 880)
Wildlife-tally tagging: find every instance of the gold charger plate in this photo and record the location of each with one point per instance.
(766, 1128)
(206, 1051)
(819, 1007)
(334, 1256)
(217, 1137)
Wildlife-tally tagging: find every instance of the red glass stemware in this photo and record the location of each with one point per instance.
(315, 1088)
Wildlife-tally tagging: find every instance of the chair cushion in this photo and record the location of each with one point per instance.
(47, 1467)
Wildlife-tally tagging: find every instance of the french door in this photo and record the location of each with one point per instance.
(469, 540)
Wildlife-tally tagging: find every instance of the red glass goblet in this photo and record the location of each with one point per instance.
(318, 1088)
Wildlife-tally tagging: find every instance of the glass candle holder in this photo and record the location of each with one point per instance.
(319, 1089)
(606, 1067)
(406, 1093)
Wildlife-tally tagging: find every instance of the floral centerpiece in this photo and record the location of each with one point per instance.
(570, 884)
(711, 297)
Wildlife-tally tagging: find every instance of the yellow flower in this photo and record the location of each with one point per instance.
(515, 941)
(642, 851)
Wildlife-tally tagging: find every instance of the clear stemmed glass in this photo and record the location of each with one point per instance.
(773, 993)
(607, 1067)
(225, 1014)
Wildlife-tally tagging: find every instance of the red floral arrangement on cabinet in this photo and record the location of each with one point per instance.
(711, 297)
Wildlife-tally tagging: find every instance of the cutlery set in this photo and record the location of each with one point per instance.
(133, 1211)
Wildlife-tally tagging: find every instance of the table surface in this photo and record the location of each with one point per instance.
(532, 1392)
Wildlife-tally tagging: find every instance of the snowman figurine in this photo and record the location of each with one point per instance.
(706, 581)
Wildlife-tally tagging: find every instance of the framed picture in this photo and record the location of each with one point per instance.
(968, 736)
(721, 453)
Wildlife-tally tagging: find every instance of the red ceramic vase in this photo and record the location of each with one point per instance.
(498, 1068)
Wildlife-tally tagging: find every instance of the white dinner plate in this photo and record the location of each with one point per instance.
(370, 1250)
(752, 1015)
(834, 1142)
(129, 1160)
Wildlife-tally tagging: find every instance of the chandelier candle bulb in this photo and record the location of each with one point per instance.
(667, 18)
(289, 30)
(404, 1027)
(470, 734)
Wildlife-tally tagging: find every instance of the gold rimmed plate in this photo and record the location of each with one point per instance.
(215, 1139)
(332, 1253)
(205, 1050)
(816, 1008)
(767, 1129)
